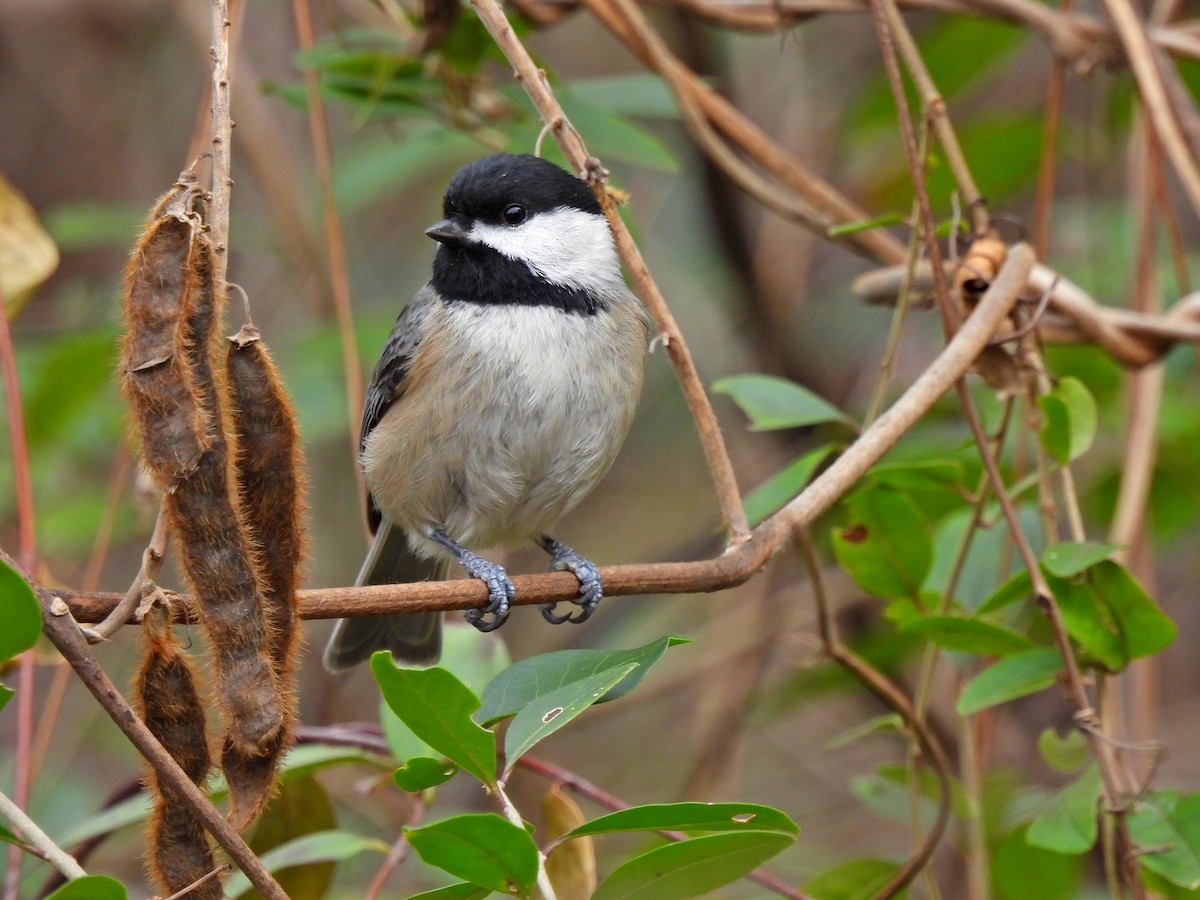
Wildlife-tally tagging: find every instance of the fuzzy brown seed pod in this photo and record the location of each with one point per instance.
(270, 489)
(216, 551)
(155, 375)
(170, 706)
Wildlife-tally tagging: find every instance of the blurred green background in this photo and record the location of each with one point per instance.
(99, 102)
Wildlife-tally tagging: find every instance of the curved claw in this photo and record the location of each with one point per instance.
(564, 559)
(500, 592)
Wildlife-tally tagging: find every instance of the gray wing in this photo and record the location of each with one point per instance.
(387, 381)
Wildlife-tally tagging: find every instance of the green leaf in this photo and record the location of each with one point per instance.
(481, 848)
(1065, 753)
(888, 722)
(1010, 678)
(463, 891)
(551, 711)
(437, 707)
(614, 136)
(525, 681)
(1016, 864)
(473, 658)
(1069, 426)
(6, 694)
(969, 635)
(9, 838)
(773, 402)
(880, 221)
(785, 484)
(1067, 824)
(855, 879)
(1110, 616)
(884, 543)
(692, 867)
(320, 847)
(91, 887)
(19, 612)
(689, 817)
(1166, 826)
(423, 772)
(1068, 559)
(301, 808)
(1012, 591)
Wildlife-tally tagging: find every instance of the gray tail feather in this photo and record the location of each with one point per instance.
(413, 638)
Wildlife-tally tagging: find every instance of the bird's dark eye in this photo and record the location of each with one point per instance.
(514, 214)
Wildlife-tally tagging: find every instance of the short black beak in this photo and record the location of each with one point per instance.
(449, 232)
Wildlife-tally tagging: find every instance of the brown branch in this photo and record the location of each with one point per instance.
(64, 633)
(1133, 338)
(1132, 32)
(886, 691)
(738, 563)
(533, 80)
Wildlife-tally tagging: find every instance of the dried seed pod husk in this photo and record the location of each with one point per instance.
(180, 852)
(270, 490)
(155, 375)
(216, 551)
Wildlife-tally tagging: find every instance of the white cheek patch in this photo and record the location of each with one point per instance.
(566, 246)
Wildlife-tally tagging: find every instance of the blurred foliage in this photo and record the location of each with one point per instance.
(404, 116)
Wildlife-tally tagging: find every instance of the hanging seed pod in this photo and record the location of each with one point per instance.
(155, 375)
(165, 686)
(215, 551)
(270, 482)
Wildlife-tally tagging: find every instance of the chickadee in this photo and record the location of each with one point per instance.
(501, 397)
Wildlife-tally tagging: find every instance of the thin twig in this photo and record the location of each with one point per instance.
(533, 80)
(1132, 32)
(513, 815)
(738, 563)
(152, 560)
(222, 137)
(339, 281)
(893, 698)
(28, 831)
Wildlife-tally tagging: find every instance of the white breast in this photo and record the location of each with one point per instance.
(520, 412)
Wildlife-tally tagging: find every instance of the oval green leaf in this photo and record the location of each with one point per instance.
(438, 707)
(423, 772)
(1068, 420)
(91, 887)
(542, 717)
(785, 484)
(969, 635)
(1067, 823)
(855, 879)
(693, 867)
(462, 891)
(19, 612)
(481, 848)
(525, 681)
(884, 543)
(1068, 559)
(703, 817)
(772, 402)
(1010, 678)
(1169, 822)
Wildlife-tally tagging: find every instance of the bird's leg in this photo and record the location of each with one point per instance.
(563, 558)
(500, 588)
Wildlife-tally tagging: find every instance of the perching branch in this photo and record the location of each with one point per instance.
(740, 561)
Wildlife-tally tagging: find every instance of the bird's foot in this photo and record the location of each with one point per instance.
(564, 559)
(500, 587)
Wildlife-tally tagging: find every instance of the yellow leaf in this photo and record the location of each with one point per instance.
(572, 866)
(28, 255)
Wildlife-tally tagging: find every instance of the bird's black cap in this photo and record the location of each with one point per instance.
(482, 189)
